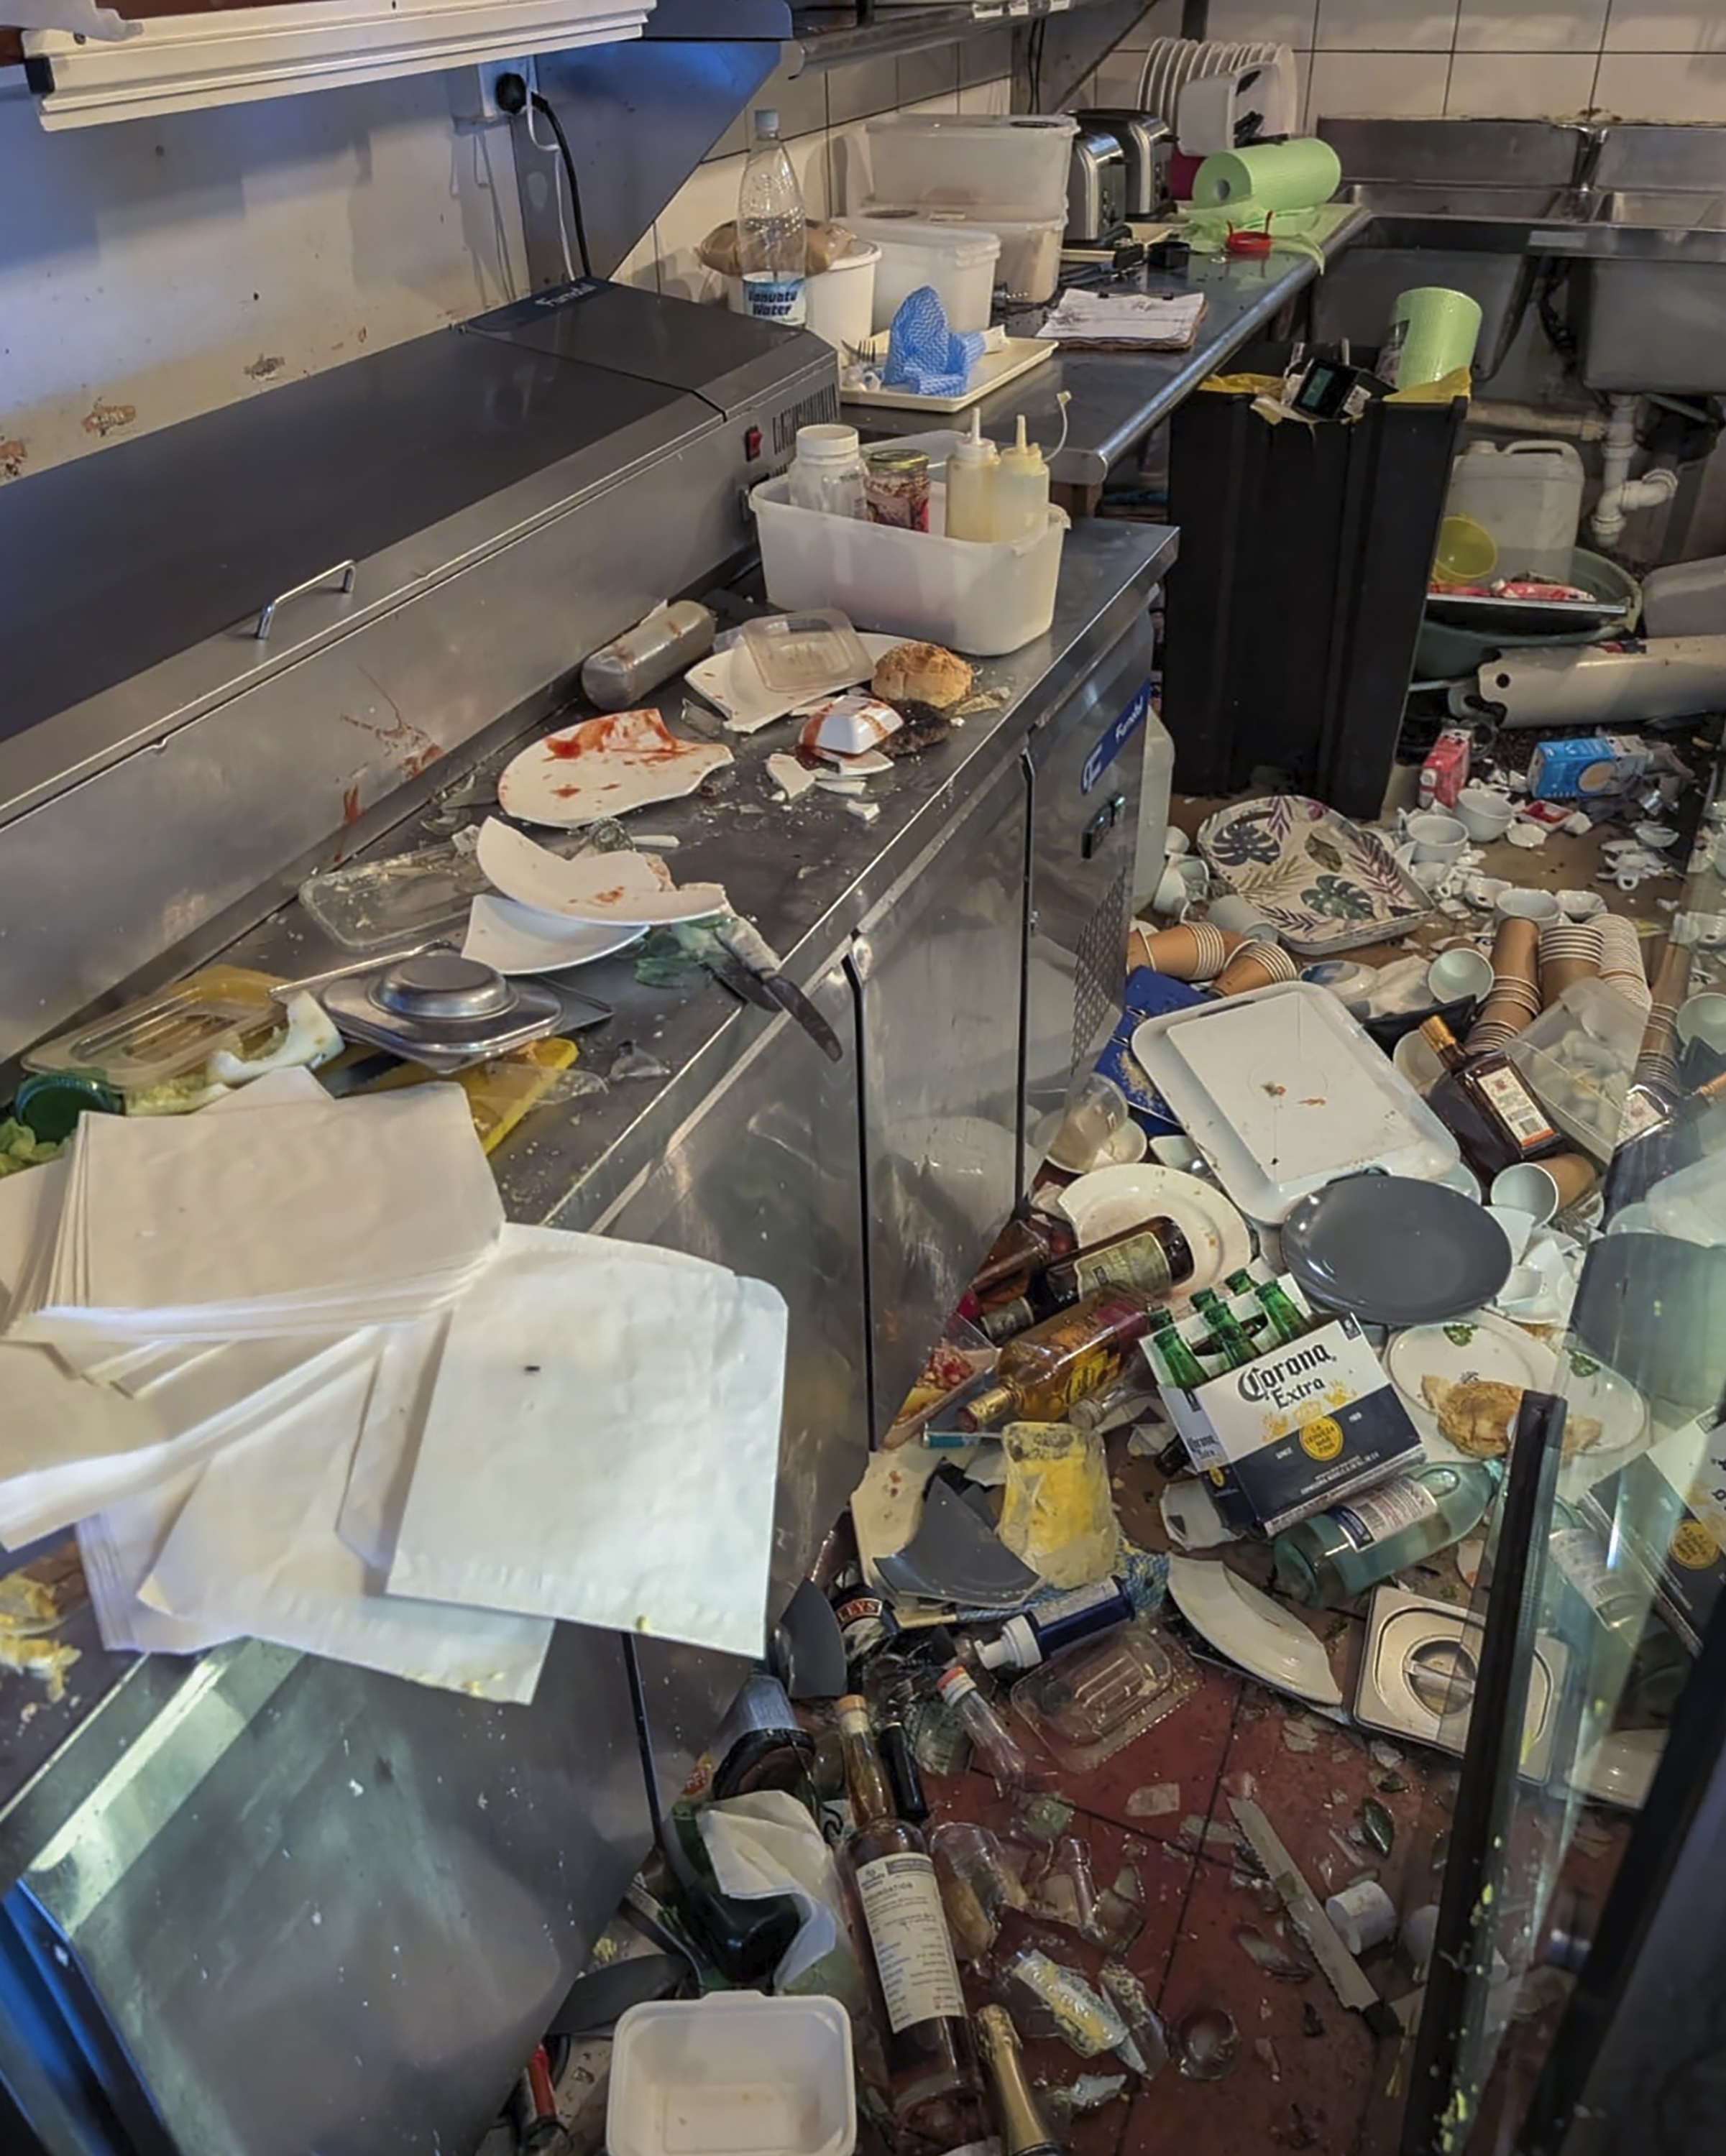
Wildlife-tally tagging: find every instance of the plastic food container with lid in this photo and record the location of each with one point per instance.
(959, 260)
(734, 2074)
(1014, 162)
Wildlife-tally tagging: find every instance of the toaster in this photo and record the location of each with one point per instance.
(1096, 186)
(1148, 143)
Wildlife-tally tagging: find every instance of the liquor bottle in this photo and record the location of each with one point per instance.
(1337, 1554)
(772, 235)
(1171, 1357)
(1229, 1337)
(1026, 1641)
(1078, 1351)
(1287, 1320)
(1154, 1257)
(1484, 1102)
(1027, 1244)
(929, 2054)
(1660, 1136)
(997, 1749)
(1023, 2129)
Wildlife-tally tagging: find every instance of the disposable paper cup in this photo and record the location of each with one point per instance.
(1510, 988)
(1515, 947)
(1196, 951)
(1545, 1187)
(1563, 973)
(1517, 904)
(1363, 1914)
(1255, 965)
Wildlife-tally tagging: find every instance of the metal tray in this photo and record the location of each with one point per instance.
(1406, 1633)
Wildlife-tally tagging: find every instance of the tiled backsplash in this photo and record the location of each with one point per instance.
(1637, 60)
(821, 117)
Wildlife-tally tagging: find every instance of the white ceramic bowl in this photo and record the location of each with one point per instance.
(1484, 815)
(1517, 904)
(1459, 972)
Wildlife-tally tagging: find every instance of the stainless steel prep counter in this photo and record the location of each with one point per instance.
(1119, 397)
(261, 1904)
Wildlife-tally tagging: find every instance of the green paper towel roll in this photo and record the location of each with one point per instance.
(1270, 175)
(1432, 333)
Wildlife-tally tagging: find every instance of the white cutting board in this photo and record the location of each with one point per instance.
(1282, 1091)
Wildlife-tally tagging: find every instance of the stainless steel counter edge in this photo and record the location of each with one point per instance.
(575, 1165)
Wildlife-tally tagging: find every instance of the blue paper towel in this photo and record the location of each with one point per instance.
(924, 355)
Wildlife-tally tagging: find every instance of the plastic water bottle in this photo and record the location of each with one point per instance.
(770, 233)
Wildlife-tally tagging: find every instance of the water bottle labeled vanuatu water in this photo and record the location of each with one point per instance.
(770, 229)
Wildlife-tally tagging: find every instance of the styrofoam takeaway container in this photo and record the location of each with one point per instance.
(980, 597)
(1016, 162)
(957, 259)
(734, 2074)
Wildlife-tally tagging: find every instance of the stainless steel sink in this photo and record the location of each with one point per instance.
(1483, 205)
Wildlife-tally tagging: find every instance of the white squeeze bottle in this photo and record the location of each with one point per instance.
(772, 240)
(1021, 489)
(972, 471)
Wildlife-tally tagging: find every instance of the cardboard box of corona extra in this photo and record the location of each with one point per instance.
(1295, 1430)
(1666, 1510)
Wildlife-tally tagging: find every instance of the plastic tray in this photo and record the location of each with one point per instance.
(167, 1035)
(981, 598)
(733, 2075)
(1282, 1091)
(805, 653)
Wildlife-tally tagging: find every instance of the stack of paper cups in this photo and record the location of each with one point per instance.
(1621, 959)
(1570, 951)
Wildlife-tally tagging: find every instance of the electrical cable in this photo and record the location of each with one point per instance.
(539, 104)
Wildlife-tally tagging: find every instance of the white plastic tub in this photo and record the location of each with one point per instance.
(1016, 162)
(982, 599)
(959, 260)
(840, 302)
(733, 2074)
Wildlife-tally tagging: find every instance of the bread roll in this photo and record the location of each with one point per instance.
(922, 674)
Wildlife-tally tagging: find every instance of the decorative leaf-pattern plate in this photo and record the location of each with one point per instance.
(1324, 885)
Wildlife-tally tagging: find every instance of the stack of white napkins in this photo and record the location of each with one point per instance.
(292, 1376)
(1145, 320)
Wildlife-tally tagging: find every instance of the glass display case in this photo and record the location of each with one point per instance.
(1572, 1994)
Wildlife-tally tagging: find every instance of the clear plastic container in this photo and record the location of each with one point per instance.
(807, 649)
(772, 233)
(1014, 162)
(167, 1035)
(734, 2073)
(981, 599)
(1088, 1702)
(959, 260)
(1577, 1057)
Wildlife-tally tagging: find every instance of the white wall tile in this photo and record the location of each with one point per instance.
(641, 264)
(1162, 19)
(1571, 27)
(1522, 85)
(987, 97)
(1274, 22)
(1116, 79)
(1667, 26)
(1386, 26)
(1662, 86)
(1384, 85)
(708, 197)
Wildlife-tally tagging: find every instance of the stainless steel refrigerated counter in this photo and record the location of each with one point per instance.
(262, 1904)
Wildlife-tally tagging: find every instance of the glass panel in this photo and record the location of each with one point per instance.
(1627, 1550)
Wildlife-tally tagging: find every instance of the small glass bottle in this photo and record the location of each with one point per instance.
(1335, 1555)
(1024, 2131)
(1229, 1337)
(1081, 1350)
(826, 474)
(930, 2056)
(1484, 1102)
(997, 1749)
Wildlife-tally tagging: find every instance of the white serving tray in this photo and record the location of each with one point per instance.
(1003, 363)
(1282, 1091)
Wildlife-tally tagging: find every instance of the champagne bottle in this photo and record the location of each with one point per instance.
(930, 2056)
(1339, 1553)
(1077, 1353)
(1023, 2129)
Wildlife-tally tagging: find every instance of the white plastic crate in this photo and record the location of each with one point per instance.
(980, 598)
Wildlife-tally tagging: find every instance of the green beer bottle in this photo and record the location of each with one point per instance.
(1174, 1361)
(1234, 1343)
(1287, 1322)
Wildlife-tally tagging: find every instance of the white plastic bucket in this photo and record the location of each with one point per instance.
(733, 2074)
(841, 299)
(979, 597)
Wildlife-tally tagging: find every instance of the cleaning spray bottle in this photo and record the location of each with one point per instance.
(972, 471)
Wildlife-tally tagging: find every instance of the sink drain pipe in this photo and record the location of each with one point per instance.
(1536, 419)
(1621, 495)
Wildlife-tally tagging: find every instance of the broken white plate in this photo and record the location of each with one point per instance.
(1266, 1639)
(729, 681)
(604, 768)
(849, 726)
(793, 780)
(514, 939)
(1190, 1515)
(620, 890)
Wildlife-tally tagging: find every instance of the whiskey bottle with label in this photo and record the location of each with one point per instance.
(930, 2059)
(1077, 1352)
(1153, 1256)
(1486, 1105)
(1661, 1135)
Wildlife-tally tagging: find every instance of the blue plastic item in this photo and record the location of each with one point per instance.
(924, 355)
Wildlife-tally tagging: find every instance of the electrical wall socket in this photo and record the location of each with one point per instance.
(473, 92)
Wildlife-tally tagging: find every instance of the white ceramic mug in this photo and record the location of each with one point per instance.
(1437, 838)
